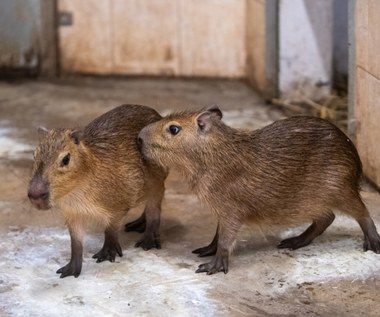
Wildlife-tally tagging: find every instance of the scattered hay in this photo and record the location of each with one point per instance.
(334, 108)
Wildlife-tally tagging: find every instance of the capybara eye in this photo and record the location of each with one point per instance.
(174, 129)
(66, 160)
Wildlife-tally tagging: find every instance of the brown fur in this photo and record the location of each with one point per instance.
(293, 171)
(104, 178)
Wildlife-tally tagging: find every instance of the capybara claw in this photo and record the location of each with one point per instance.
(205, 251)
(148, 243)
(108, 253)
(372, 245)
(70, 269)
(218, 264)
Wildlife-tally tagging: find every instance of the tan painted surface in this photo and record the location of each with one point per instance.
(86, 45)
(179, 37)
(367, 104)
(256, 44)
(212, 38)
(368, 123)
(145, 36)
(368, 36)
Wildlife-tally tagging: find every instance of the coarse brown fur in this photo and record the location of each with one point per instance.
(293, 171)
(98, 173)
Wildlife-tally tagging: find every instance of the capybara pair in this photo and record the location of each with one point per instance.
(293, 171)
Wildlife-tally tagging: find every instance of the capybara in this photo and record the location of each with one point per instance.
(97, 173)
(290, 172)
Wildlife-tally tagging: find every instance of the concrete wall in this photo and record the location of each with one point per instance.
(27, 37)
(367, 85)
(19, 26)
(305, 48)
(340, 44)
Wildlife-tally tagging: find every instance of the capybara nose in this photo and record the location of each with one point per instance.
(40, 200)
(38, 194)
(35, 195)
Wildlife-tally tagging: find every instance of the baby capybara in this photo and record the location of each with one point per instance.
(97, 173)
(290, 172)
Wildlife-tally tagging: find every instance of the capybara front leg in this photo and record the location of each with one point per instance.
(152, 212)
(151, 237)
(227, 237)
(138, 225)
(74, 267)
(209, 249)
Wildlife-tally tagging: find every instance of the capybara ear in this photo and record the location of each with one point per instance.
(206, 118)
(76, 136)
(42, 130)
(215, 112)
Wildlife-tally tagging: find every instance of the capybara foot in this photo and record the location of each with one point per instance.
(149, 242)
(73, 268)
(372, 244)
(206, 251)
(108, 253)
(218, 264)
(138, 225)
(293, 243)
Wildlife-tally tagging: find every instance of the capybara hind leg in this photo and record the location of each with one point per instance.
(209, 249)
(316, 228)
(227, 237)
(356, 208)
(371, 237)
(111, 246)
(138, 225)
(74, 267)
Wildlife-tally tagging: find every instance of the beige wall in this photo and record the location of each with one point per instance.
(178, 37)
(367, 87)
(255, 37)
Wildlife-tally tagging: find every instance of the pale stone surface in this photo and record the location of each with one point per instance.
(330, 277)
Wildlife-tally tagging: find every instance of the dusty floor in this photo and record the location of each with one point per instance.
(331, 277)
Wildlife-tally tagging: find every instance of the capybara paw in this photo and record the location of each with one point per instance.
(149, 242)
(70, 269)
(292, 243)
(138, 225)
(372, 244)
(108, 253)
(218, 264)
(205, 251)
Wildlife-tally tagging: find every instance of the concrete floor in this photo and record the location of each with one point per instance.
(331, 277)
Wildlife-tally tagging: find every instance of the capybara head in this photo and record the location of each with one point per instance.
(59, 161)
(177, 137)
